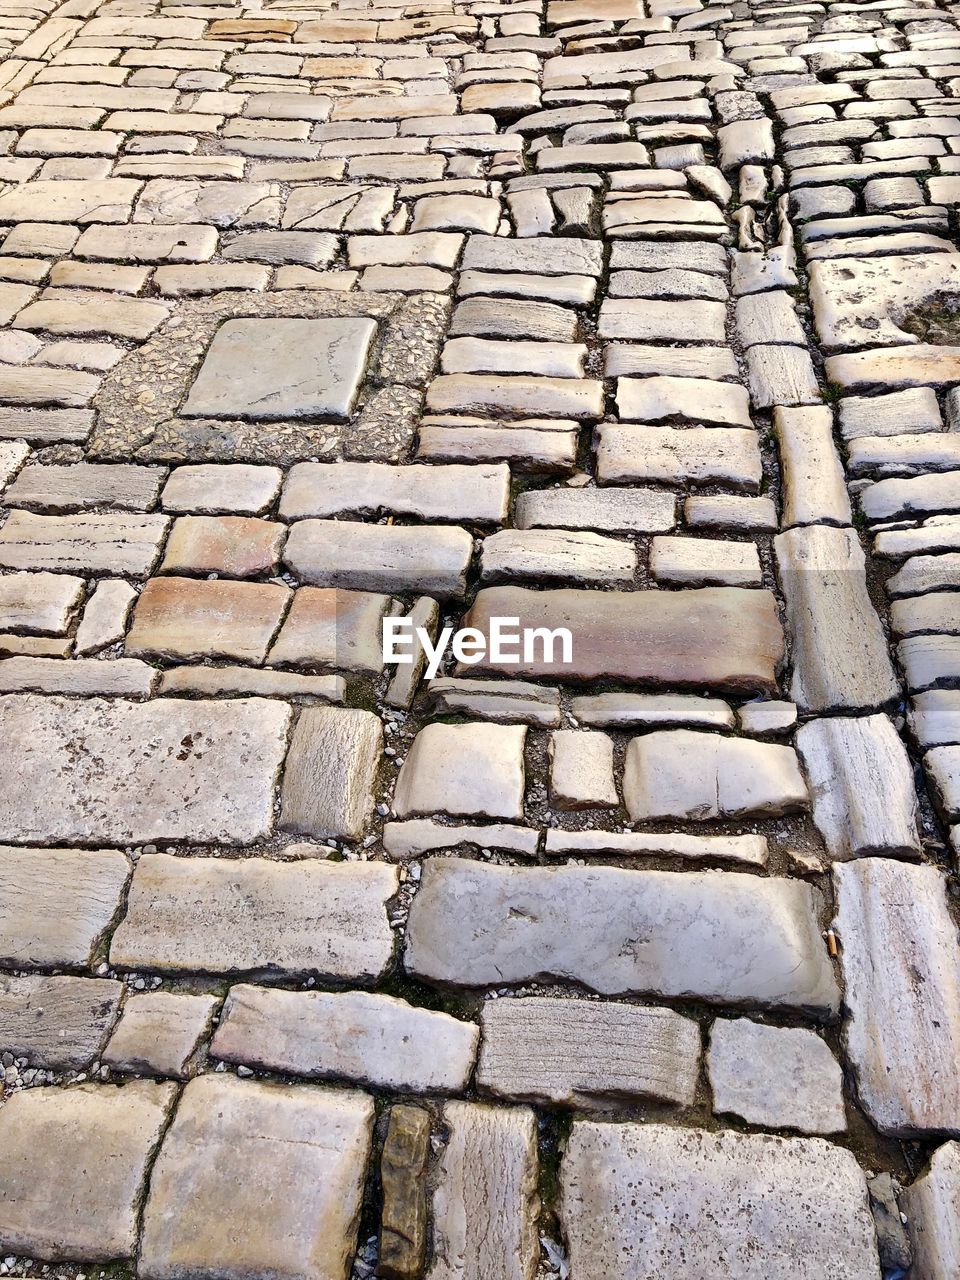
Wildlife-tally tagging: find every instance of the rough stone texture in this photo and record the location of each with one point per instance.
(677, 773)
(57, 1022)
(720, 637)
(248, 371)
(403, 1168)
(221, 915)
(861, 784)
(57, 904)
(208, 1213)
(364, 557)
(579, 1052)
(901, 966)
(777, 1077)
(159, 1032)
(650, 1200)
(840, 658)
(467, 770)
(619, 932)
(485, 1205)
(933, 1223)
(121, 772)
(86, 1209)
(331, 770)
(355, 1035)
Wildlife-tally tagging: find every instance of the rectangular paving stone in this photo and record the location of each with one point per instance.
(727, 456)
(480, 493)
(159, 1032)
(485, 1203)
(577, 1052)
(65, 200)
(724, 638)
(373, 1039)
(39, 603)
(516, 396)
(901, 966)
(186, 618)
(88, 1207)
(115, 772)
(331, 771)
(645, 1201)
(716, 935)
(930, 1205)
(207, 1213)
(282, 368)
(431, 559)
(57, 904)
(77, 486)
(88, 543)
(253, 915)
(631, 510)
(57, 1022)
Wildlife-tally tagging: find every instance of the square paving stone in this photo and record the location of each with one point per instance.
(258, 1180)
(73, 1166)
(282, 368)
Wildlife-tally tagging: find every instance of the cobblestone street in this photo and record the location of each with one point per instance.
(635, 959)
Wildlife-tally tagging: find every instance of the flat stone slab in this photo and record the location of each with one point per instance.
(56, 904)
(840, 655)
(651, 1201)
(120, 772)
(861, 781)
(930, 1205)
(576, 1052)
(159, 1033)
(320, 489)
(715, 935)
(466, 770)
(777, 1077)
(59, 1022)
(679, 773)
(901, 965)
(258, 1179)
(251, 915)
(370, 557)
(722, 637)
(282, 368)
(352, 1035)
(87, 543)
(56, 1204)
(485, 1205)
(331, 772)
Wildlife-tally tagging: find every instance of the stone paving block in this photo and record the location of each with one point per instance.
(403, 1168)
(123, 544)
(930, 1205)
(776, 1077)
(744, 939)
(257, 1179)
(187, 619)
(479, 493)
(57, 904)
(40, 603)
(902, 971)
(466, 770)
(338, 553)
(651, 1200)
(581, 770)
(159, 1033)
(372, 1039)
(252, 915)
(248, 371)
(88, 1208)
(583, 1052)
(98, 771)
(485, 1204)
(327, 627)
(331, 771)
(57, 1022)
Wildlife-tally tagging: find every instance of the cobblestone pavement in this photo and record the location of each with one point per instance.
(639, 318)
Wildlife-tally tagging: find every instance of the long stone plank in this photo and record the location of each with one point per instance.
(716, 935)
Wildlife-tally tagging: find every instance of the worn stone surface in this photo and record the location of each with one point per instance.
(224, 915)
(207, 1210)
(59, 1022)
(57, 904)
(467, 770)
(485, 1204)
(579, 1052)
(373, 1039)
(88, 1209)
(930, 1205)
(650, 1200)
(330, 773)
(120, 772)
(902, 972)
(159, 1033)
(777, 1077)
(475, 925)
